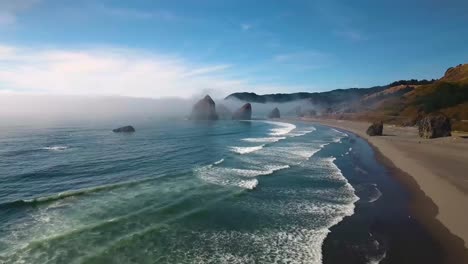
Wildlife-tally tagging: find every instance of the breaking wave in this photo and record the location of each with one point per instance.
(245, 150)
(264, 140)
(235, 176)
(55, 148)
(219, 162)
(300, 133)
(72, 193)
(281, 128)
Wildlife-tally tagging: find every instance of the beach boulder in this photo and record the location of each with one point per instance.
(244, 113)
(205, 109)
(434, 126)
(275, 113)
(376, 129)
(124, 129)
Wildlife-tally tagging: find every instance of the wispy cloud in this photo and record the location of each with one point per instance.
(246, 27)
(9, 10)
(116, 71)
(207, 70)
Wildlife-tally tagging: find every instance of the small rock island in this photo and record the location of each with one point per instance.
(124, 129)
(275, 113)
(205, 109)
(244, 113)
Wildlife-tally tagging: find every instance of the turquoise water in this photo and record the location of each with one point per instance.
(173, 192)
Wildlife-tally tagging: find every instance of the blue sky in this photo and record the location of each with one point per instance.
(185, 48)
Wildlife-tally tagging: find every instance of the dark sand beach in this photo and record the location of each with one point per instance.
(420, 219)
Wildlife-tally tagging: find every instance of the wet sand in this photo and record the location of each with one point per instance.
(435, 173)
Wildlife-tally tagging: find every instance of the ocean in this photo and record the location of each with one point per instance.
(178, 191)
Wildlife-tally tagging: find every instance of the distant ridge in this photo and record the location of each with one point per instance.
(403, 102)
(329, 97)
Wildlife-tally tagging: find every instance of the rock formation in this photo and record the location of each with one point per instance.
(434, 126)
(125, 129)
(205, 109)
(376, 129)
(244, 113)
(275, 113)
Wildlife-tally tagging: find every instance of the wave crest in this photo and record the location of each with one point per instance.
(263, 140)
(55, 148)
(245, 150)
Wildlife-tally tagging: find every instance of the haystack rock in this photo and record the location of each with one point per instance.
(205, 109)
(275, 113)
(376, 129)
(244, 113)
(125, 129)
(434, 126)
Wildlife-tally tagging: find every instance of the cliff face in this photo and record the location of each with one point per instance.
(205, 109)
(244, 113)
(275, 113)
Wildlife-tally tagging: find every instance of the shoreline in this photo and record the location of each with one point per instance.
(426, 211)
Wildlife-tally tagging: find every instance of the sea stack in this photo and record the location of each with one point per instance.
(434, 126)
(205, 109)
(244, 113)
(376, 129)
(125, 129)
(275, 113)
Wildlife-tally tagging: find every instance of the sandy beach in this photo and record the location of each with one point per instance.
(438, 169)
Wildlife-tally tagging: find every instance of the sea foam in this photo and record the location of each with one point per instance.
(219, 162)
(281, 128)
(246, 150)
(55, 148)
(310, 217)
(264, 140)
(300, 133)
(235, 176)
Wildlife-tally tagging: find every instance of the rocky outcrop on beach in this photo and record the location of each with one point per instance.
(434, 126)
(124, 129)
(205, 109)
(376, 129)
(275, 113)
(244, 113)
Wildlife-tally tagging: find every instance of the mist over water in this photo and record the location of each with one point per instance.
(47, 110)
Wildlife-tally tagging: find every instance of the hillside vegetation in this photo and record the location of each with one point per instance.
(448, 95)
(402, 102)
